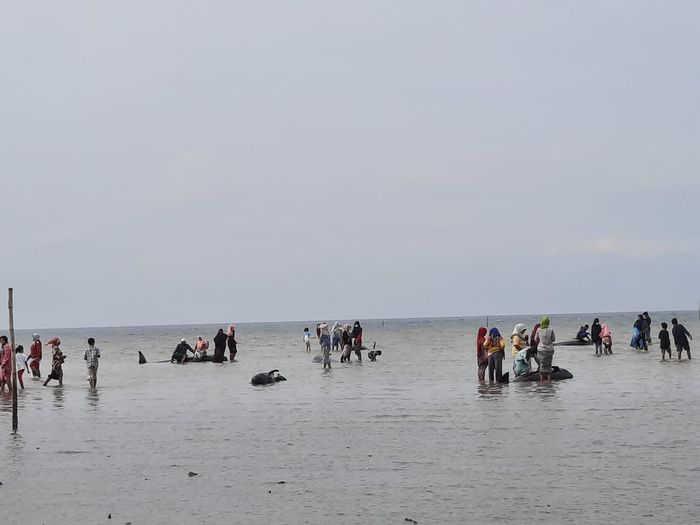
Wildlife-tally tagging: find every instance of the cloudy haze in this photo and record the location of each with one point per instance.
(184, 162)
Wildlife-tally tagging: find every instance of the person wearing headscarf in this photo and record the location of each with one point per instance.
(346, 342)
(35, 355)
(337, 331)
(5, 364)
(495, 348)
(219, 346)
(57, 359)
(231, 342)
(518, 338)
(596, 337)
(325, 340)
(647, 320)
(545, 349)
(357, 339)
(482, 356)
(606, 339)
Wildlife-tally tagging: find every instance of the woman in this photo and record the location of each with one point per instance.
(219, 346)
(56, 362)
(545, 349)
(5, 365)
(231, 342)
(357, 339)
(596, 337)
(495, 348)
(606, 339)
(518, 341)
(325, 344)
(346, 341)
(482, 356)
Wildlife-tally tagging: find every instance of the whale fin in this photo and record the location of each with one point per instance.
(142, 358)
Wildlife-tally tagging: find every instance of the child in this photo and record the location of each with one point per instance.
(21, 360)
(56, 363)
(307, 339)
(606, 339)
(665, 341)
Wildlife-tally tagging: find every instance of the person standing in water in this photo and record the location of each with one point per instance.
(5, 364)
(337, 331)
(595, 336)
(21, 360)
(231, 342)
(57, 359)
(680, 338)
(346, 342)
(518, 339)
(92, 359)
(665, 342)
(647, 320)
(35, 356)
(482, 356)
(495, 348)
(307, 339)
(325, 341)
(606, 339)
(357, 339)
(219, 346)
(545, 349)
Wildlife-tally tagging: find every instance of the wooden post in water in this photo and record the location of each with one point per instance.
(14, 360)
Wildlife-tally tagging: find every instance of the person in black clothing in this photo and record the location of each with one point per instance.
(595, 336)
(665, 342)
(180, 352)
(219, 346)
(346, 343)
(680, 338)
(582, 334)
(357, 339)
(231, 342)
(641, 325)
(647, 320)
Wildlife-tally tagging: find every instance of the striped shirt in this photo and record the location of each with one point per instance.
(92, 354)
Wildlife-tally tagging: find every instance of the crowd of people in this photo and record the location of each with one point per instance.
(222, 341)
(539, 345)
(32, 362)
(340, 338)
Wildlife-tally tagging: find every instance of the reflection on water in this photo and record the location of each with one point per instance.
(92, 397)
(58, 396)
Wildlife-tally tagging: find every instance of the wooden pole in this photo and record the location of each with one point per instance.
(14, 361)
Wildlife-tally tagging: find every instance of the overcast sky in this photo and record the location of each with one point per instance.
(204, 161)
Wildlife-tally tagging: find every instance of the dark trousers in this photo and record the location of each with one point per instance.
(496, 365)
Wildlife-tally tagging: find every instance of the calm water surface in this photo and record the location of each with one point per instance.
(411, 435)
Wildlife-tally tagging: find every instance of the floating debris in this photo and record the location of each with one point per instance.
(192, 474)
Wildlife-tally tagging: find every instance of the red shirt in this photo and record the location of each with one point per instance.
(35, 350)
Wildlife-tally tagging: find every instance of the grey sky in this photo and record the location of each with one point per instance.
(166, 162)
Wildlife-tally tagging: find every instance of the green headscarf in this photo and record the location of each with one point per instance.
(544, 323)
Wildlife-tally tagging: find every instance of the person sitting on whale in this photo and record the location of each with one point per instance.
(583, 334)
(180, 352)
(521, 363)
(200, 348)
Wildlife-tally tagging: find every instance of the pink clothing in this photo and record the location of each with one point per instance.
(6, 363)
(231, 330)
(604, 331)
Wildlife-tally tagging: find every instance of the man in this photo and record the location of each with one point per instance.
(35, 356)
(180, 352)
(680, 338)
(92, 356)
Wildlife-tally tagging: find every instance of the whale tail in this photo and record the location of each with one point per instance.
(505, 378)
(142, 358)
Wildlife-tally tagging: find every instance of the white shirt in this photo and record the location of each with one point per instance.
(21, 360)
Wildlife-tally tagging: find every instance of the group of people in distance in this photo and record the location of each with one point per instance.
(33, 362)
(538, 346)
(222, 340)
(341, 337)
(641, 336)
(600, 336)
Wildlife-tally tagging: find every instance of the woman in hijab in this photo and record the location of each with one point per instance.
(518, 341)
(606, 339)
(495, 347)
(595, 336)
(545, 349)
(482, 356)
(357, 339)
(231, 342)
(219, 346)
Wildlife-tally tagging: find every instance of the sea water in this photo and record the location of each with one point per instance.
(412, 435)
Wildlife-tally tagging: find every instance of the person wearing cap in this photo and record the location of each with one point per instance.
(180, 352)
(35, 356)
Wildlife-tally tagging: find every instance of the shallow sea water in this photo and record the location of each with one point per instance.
(411, 435)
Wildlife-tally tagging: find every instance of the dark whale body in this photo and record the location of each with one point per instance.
(268, 378)
(207, 359)
(574, 342)
(558, 374)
